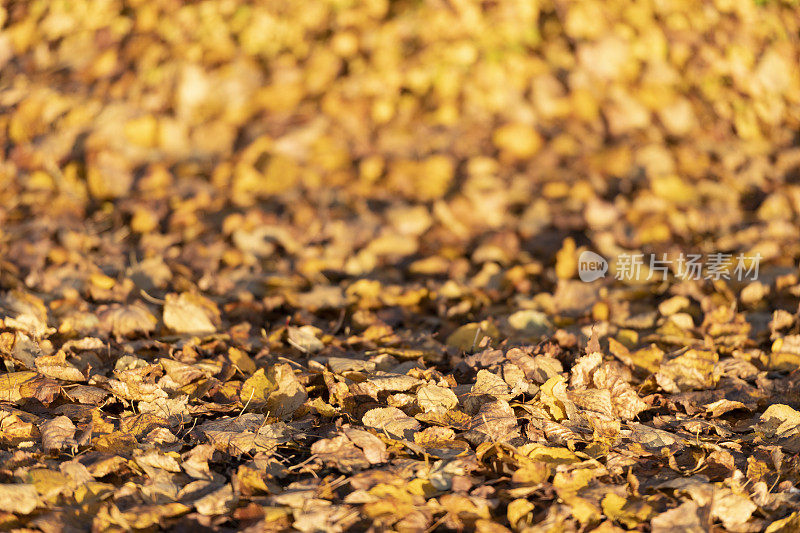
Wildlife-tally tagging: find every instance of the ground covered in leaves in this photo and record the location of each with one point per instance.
(313, 265)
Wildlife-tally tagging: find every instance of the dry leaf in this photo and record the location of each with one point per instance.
(58, 434)
(277, 391)
(190, 313)
(507, 265)
(392, 421)
(218, 502)
(128, 320)
(18, 498)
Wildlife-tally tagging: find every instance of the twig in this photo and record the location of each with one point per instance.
(248, 403)
(151, 299)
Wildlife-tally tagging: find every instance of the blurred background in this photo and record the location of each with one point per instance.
(459, 145)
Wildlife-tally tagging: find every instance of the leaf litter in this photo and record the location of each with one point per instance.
(315, 267)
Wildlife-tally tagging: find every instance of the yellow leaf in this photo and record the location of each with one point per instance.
(518, 141)
(142, 131)
(256, 389)
(549, 391)
(468, 337)
(517, 510)
(570, 482)
(242, 360)
(567, 260)
(421, 487)
(553, 455)
(50, 483)
(790, 524)
(102, 281)
(583, 510)
(10, 385)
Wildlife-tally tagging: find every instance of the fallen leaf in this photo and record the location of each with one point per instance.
(392, 421)
(18, 498)
(58, 434)
(190, 313)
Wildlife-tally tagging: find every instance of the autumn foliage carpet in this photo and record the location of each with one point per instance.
(313, 266)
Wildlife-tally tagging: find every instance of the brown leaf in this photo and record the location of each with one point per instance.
(218, 502)
(392, 421)
(278, 391)
(56, 367)
(494, 422)
(190, 313)
(688, 371)
(128, 320)
(25, 312)
(58, 434)
(18, 498)
(436, 398)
